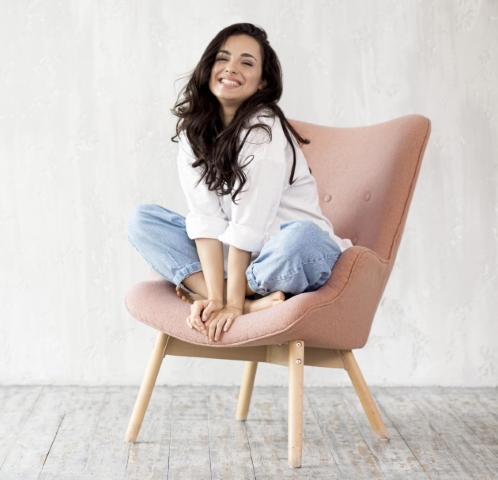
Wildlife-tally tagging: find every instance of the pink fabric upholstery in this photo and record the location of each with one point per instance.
(366, 177)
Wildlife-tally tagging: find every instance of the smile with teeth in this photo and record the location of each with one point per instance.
(230, 82)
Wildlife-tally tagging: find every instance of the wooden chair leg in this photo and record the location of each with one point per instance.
(296, 378)
(246, 390)
(145, 392)
(364, 395)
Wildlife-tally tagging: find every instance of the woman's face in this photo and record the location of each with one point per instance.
(236, 73)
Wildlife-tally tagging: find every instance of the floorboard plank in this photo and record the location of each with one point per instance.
(428, 447)
(394, 457)
(478, 413)
(351, 452)
(229, 448)
(488, 397)
(149, 456)
(108, 453)
(475, 457)
(16, 405)
(189, 455)
(69, 453)
(35, 439)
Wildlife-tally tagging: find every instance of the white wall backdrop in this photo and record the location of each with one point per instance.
(85, 127)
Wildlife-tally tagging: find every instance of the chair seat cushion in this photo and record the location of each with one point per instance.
(338, 315)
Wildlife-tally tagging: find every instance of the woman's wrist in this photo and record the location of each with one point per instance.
(236, 299)
(238, 261)
(231, 307)
(215, 298)
(235, 305)
(216, 292)
(210, 253)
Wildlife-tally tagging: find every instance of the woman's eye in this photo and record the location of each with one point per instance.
(247, 63)
(219, 59)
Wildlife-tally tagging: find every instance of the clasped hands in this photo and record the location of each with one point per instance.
(211, 317)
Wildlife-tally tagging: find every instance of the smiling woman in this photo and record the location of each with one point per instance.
(236, 74)
(255, 233)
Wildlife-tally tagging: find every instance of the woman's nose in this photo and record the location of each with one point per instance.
(231, 68)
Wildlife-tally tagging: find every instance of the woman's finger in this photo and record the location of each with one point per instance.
(195, 314)
(195, 320)
(230, 320)
(211, 308)
(192, 324)
(219, 328)
(207, 324)
(207, 312)
(212, 327)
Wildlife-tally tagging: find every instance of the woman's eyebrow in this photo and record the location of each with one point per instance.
(242, 54)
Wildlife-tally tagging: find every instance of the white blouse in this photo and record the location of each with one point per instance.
(266, 200)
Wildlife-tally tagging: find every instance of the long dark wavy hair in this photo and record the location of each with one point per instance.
(216, 148)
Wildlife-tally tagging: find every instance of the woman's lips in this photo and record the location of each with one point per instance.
(229, 83)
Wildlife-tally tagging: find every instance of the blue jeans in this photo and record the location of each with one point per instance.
(298, 259)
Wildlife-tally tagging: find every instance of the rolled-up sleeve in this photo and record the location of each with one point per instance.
(206, 218)
(257, 204)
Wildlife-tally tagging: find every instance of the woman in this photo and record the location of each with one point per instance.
(254, 215)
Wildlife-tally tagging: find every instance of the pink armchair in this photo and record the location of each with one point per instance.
(366, 177)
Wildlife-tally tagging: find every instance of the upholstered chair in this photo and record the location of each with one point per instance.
(366, 177)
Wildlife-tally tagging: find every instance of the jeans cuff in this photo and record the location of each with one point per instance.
(186, 272)
(254, 286)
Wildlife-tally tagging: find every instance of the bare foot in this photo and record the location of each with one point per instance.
(250, 306)
(275, 298)
(187, 296)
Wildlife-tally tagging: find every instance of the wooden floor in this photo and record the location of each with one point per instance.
(190, 433)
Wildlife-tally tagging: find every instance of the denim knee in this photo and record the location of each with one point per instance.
(142, 217)
(303, 234)
(135, 221)
(159, 236)
(300, 258)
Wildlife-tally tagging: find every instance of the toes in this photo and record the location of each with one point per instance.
(277, 297)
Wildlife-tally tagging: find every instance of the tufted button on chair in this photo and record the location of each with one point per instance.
(366, 177)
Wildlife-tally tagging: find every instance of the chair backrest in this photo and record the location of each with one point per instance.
(366, 177)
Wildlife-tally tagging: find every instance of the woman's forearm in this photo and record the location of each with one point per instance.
(238, 261)
(210, 251)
